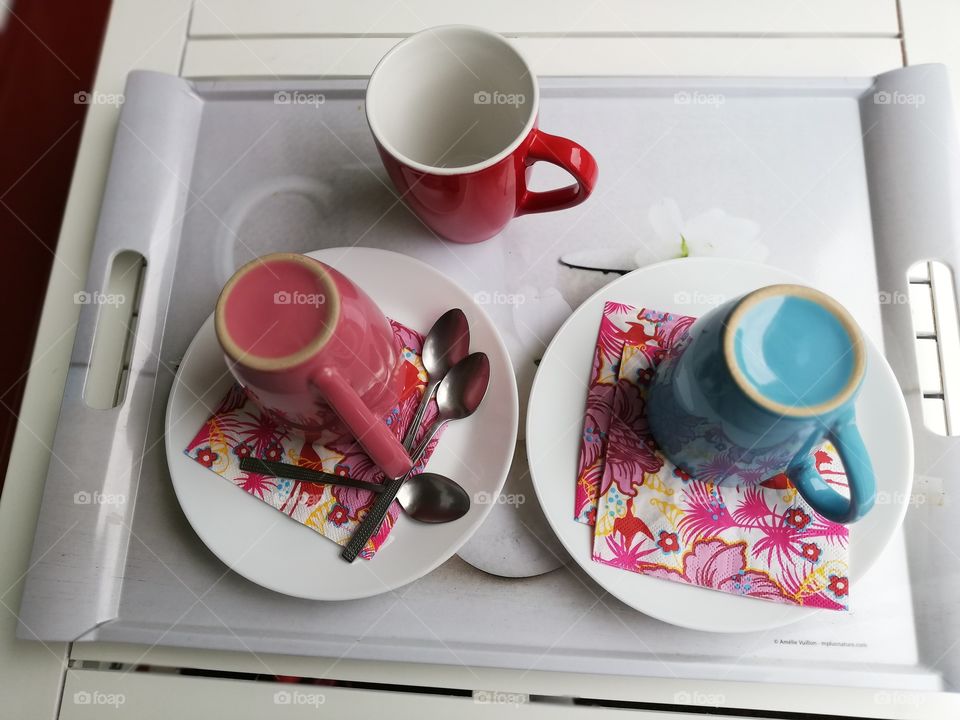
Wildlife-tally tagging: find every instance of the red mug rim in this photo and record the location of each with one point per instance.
(466, 169)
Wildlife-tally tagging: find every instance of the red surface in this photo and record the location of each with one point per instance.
(48, 52)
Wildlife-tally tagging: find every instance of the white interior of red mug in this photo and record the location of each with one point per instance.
(452, 99)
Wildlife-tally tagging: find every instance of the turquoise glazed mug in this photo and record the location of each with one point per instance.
(757, 384)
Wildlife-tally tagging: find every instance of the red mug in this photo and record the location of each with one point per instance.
(453, 111)
(303, 340)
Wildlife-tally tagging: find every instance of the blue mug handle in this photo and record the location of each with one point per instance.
(819, 495)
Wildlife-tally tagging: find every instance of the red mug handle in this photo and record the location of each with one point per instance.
(566, 154)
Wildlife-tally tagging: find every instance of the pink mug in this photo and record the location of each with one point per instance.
(302, 340)
(453, 111)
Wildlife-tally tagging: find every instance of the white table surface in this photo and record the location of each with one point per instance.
(257, 38)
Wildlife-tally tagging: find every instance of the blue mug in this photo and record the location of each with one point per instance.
(756, 386)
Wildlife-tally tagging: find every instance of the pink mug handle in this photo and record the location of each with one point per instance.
(383, 447)
(571, 157)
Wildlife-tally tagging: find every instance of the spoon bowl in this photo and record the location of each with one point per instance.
(433, 498)
(463, 388)
(447, 343)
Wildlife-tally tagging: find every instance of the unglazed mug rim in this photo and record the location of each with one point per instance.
(259, 362)
(839, 312)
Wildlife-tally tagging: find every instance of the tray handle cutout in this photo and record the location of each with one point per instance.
(118, 308)
(936, 327)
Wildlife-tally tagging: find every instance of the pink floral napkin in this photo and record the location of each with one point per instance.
(619, 325)
(650, 517)
(238, 428)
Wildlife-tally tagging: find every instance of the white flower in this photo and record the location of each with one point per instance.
(713, 233)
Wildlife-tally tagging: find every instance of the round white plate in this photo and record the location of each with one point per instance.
(272, 550)
(692, 286)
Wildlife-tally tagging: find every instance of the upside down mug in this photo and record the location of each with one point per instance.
(757, 385)
(303, 340)
(453, 112)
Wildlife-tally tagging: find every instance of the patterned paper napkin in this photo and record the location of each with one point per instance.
(619, 325)
(238, 428)
(761, 541)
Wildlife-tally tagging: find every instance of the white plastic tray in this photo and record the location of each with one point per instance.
(826, 181)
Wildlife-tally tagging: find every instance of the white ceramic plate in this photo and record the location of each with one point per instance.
(272, 550)
(692, 286)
